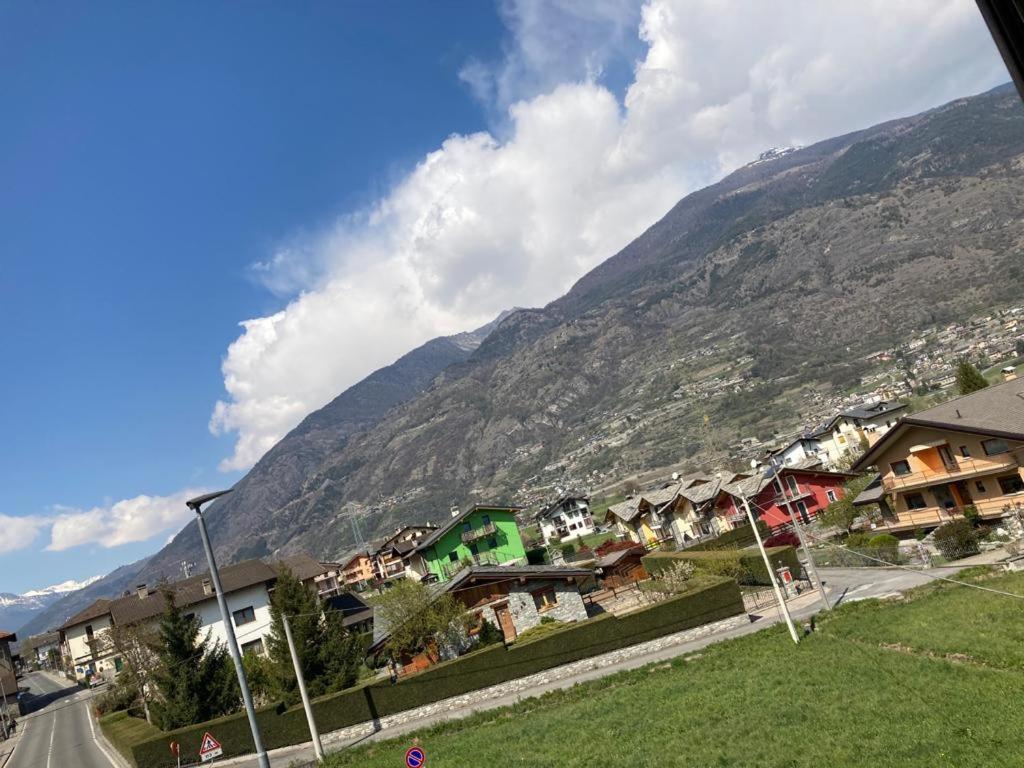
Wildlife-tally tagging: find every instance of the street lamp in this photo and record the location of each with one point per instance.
(196, 505)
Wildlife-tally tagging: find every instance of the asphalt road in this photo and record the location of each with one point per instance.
(58, 732)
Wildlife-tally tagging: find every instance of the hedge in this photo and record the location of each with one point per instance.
(737, 538)
(479, 669)
(749, 561)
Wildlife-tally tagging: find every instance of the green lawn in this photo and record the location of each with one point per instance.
(931, 680)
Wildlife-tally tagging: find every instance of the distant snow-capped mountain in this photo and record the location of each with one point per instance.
(15, 610)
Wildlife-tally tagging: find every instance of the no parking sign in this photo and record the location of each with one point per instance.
(415, 757)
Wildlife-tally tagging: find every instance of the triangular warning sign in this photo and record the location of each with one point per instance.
(210, 747)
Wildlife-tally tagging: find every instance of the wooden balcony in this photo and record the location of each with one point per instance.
(790, 495)
(932, 517)
(478, 533)
(959, 469)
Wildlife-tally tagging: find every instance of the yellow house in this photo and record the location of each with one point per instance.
(638, 519)
(965, 452)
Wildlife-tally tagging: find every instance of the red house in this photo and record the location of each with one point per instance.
(808, 491)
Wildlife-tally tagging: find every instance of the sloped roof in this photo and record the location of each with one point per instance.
(6, 636)
(554, 506)
(432, 538)
(99, 607)
(36, 641)
(862, 412)
(872, 494)
(625, 510)
(304, 567)
(612, 558)
(390, 540)
(132, 608)
(997, 410)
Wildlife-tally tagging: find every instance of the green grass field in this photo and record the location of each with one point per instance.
(931, 680)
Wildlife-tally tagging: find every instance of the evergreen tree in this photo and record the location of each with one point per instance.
(969, 378)
(193, 675)
(329, 655)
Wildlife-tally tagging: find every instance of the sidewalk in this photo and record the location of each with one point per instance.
(7, 747)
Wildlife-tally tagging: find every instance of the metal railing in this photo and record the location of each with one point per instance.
(958, 469)
(478, 533)
(790, 495)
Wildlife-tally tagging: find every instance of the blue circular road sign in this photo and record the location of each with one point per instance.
(415, 757)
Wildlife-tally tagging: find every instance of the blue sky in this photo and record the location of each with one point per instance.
(350, 180)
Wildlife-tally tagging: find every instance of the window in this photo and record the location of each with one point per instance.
(545, 599)
(452, 556)
(88, 631)
(915, 501)
(801, 507)
(980, 486)
(842, 440)
(486, 519)
(492, 543)
(791, 482)
(256, 647)
(901, 467)
(965, 451)
(830, 495)
(994, 446)
(244, 616)
(467, 527)
(474, 549)
(1011, 484)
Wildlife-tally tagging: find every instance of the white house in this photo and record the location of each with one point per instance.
(567, 518)
(86, 637)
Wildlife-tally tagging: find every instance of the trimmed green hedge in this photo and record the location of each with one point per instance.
(123, 731)
(737, 538)
(479, 669)
(749, 562)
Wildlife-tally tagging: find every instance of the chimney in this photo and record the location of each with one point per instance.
(454, 510)
(141, 591)
(207, 587)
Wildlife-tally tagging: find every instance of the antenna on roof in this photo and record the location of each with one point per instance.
(186, 568)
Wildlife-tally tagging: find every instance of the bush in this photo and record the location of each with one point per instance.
(956, 540)
(858, 540)
(536, 556)
(885, 547)
(118, 698)
(971, 515)
(481, 668)
(568, 550)
(920, 534)
(489, 634)
(744, 565)
(784, 539)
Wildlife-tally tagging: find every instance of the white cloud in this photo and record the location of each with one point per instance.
(19, 532)
(486, 223)
(123, 522)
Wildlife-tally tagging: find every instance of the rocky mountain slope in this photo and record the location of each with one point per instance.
(745, 301)
(16, 610)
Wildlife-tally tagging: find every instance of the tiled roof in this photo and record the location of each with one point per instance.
(6, 636)
(625, 510)
(996, 410)
(100, 607)
(872, 494)
(304, 567)
(554, 506)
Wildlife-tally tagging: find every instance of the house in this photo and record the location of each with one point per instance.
(844, 434)
(87, 637)
(358, 570)
(567, 518)
(806, 490)
(43, 650)
(622, 566)
(329, 582)
(638, 517)
(483, 535)
(391, 559)
(964, 452)
(798, 451)
(9, 699)
(357, 616)
(513, 598)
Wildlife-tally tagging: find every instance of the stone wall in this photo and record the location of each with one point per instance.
(569, 605)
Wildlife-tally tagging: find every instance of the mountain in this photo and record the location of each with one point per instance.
(748, 301)
(15, 610)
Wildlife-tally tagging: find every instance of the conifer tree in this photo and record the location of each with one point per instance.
(969, 379)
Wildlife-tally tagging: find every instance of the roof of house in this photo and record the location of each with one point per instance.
(99, 607)
(554, 507)
(872, 494)
(37, 641)
(862, 412)
(6, 636)
(432, 538)
(190, 591)
(390, 540)
(351, 607)
(613, 558)
(304, 567)
(997, 410)
(625, 510)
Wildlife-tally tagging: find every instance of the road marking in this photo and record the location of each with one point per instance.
(92, 728)
(53, 732)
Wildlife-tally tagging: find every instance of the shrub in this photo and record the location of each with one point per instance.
(885, 547)
(858, 540)
(784, 539)
(678, 575)
(971, 515)
(536, 556)
(489, 634)
(956, 539)
(920, 534)
(478, 669)
(118, 698)
(744, 565)
(568, 550)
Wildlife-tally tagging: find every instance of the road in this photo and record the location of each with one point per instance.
(58, 732)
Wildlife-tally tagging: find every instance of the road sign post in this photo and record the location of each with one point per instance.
(210, 748)
(176, 751)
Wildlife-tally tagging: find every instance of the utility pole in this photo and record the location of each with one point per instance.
(196, 505)
(3, 713)
(771, 574)
(318, 749)
(812, 568)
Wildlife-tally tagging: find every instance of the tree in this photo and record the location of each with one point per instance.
(417, 620)
(841, 513)
(1019, 346)
(193, 676)
(134, 644)
(329, 655)
(969, 379)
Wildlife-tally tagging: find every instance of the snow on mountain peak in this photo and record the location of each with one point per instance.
(63, 588)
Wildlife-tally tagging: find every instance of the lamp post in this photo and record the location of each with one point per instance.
(196, 505)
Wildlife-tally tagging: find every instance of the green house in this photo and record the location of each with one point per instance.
(483, 535)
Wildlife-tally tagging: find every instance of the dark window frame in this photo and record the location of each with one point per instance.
(243, 612)
(913, 507)
(901, 463)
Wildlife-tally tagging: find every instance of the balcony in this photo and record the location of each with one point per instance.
(482, 532)
(791, 495)
(932, 517)
(484, 558)
(959, 469)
